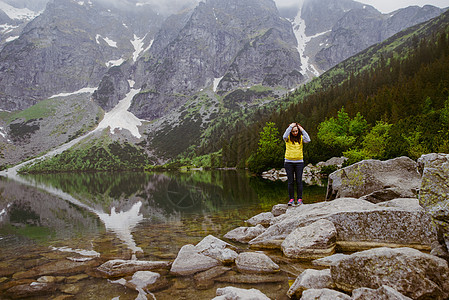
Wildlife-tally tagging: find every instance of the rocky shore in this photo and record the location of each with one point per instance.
(381, 234)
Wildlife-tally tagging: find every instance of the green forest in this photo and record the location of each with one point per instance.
(397, 106)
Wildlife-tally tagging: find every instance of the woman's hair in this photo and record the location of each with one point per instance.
(296, 138)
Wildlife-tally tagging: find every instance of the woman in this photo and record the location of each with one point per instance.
(294, 136)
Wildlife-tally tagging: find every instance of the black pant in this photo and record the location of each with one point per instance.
(294, 172)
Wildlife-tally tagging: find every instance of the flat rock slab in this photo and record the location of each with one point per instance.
(254, 262)
(121, 268)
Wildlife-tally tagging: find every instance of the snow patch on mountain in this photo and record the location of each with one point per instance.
(106, 39)
(299, 28)
(5, 28)
(216, 82)
(83, 90)
(18, 13)
(120, 118)
(138, 46)
(114, 63)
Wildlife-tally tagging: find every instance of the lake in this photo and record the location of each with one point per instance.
(148, 216)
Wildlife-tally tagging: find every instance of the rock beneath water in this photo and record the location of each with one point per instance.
(279, 209)
(434, 197)
(218, 249)
(255, 262)
(262, 219)
(324, 294)
(359, 224)
(239, 278)
(204, 280)
(121, 268)
(311, 279)
(383, 293)
(241, 294)
(414, 274)
(313, 241)
(189, 261)
(147, 281)
(399, 175)
(245, 234)
(34, 289)
(60, 267)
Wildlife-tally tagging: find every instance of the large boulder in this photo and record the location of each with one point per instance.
(313, 241)
(412, 273)
(434, 197)
(385, 180)
(359, 224)
(245, 234)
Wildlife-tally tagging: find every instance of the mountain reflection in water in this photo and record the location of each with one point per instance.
(50, 207)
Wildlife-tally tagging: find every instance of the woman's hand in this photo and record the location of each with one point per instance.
(300, 127)
(292, 125)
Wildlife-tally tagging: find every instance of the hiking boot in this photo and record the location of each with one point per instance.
(291, 202)
(299, 201)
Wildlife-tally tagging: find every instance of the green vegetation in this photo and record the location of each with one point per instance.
(100, 155)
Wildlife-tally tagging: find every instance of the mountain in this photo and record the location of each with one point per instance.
(192, 73)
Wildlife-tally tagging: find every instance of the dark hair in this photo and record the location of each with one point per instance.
(297, 138)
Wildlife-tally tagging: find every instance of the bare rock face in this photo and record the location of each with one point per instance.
(324, 294)
(414, 274)
(394, 178)
(434, 197)
(314, 241)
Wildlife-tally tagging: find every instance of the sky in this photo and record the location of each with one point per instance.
(384, 6)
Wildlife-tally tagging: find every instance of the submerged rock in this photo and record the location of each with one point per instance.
(33, 289)
(241, 294)
(414, 274)
(121, 268)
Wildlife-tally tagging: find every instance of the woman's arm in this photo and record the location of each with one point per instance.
(305, 135)
(287, 131)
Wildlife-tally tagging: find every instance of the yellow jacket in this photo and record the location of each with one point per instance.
(293, 151)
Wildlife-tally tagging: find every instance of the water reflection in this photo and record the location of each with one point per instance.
(52, 206)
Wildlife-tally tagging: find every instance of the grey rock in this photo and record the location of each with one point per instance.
(370, 176)
(217, 249)
(324, 294)
(35, 289)
(329, 260)
(431, 160)
(245, 234)
(414, 274)
(311, 279)
(204, 280)
(312, 241)
(254, 262)
(262, 218)
(121, 268)
(227, 293)
(189, 261)
(383, 293)
(434, 197)
(359, 224)
(279, 209)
